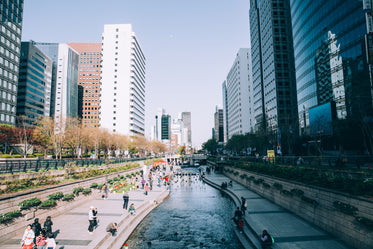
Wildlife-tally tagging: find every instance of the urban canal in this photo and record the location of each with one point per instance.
(195, 216)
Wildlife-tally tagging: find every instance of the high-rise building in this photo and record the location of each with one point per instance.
(238, 104)
(333, 43)
(225, 111)
(187, 128)
(64, 89)
(275, 98)
(89, 82)
(123, 81)
(34, 84)
(11, 12)
(219, 125)
(162, 126)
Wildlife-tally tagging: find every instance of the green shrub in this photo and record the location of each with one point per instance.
(115, 179)
(26, 204)
(68, 197)
(258, 181)
(6, 156)
(128, 175)
(56, 196)
(122, 177)
(345, 207)
(297, 192)
(368, 223)
(39, 154)
(277, 185)
(100, 186)
(266, 185)
(87, 191)
(5, 219)
(30, 156)
(78, 190)
(94, 185)
(110, 181)
(286, 193)
(251, 178)
(309, 200)
(16, 156)
(14, 214)
(48, 203)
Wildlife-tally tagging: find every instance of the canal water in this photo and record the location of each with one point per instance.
(195, 216)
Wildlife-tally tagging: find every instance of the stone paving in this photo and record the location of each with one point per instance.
(72, 227)
(289, 230)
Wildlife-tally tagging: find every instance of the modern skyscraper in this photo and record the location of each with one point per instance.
(11, 13)
(89, 82)
(162, 126)
(219, 125)
(123, 81)
(34, 84)
(187, 128)
(240, 119)
(64, 101)
(331, 58)
(275, 98)
(225, 111)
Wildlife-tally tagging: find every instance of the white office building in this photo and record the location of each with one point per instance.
(123, 81)
(239, 98)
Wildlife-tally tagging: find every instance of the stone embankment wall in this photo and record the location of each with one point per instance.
(316, 205)
(10, 202)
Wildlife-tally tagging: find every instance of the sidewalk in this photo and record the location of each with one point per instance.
(73, 225)
(288, 230)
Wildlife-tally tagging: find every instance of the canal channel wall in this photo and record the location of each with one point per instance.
(322, 207)
(10, 202)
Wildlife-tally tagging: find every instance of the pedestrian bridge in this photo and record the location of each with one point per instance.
(190, 160)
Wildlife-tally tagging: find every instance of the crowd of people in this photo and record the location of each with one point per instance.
(38, 237)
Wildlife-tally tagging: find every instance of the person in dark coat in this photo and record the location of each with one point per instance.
(125, 200)
(36, 227)
(48, 225)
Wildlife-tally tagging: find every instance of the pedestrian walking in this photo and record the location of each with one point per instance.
(151, 184)
(243, 205)
(112, 228)
(146, 189)
(51, 243)
(48, 225)
(91, 217)
(28, 238)
(105, 191)
(95, 218)
(125, 200)
(143, 183)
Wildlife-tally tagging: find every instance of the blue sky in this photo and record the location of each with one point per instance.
(189, 45)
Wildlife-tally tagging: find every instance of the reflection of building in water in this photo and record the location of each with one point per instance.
(330, 75)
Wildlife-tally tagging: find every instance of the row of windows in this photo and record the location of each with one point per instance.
(7, 118)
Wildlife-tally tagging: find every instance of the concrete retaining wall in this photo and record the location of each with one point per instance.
(10, 202)
(323, 213)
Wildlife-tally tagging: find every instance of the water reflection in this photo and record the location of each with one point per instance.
(195, 216)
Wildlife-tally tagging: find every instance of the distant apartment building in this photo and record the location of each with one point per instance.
(34, 84)
(123, 81)
(225, 111)
(218, 125)
(64, 89)
(177, 127)
(237, 97)
(89, 82)
(11, 13)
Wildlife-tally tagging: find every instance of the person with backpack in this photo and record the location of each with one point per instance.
(36, 227)
(48, 225)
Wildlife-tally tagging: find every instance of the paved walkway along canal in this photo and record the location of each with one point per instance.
(288, 230)
(72, 227)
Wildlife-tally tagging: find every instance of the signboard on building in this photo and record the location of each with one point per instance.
(271, 156)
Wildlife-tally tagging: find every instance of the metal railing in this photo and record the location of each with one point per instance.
(26, 165)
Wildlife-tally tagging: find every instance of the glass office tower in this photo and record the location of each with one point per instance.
(330, 58)
(10, 46)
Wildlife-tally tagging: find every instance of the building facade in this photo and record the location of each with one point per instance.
(240, 119)
(218, 125)
(187, 128)
(11, 14)
(123, 81)
(275, 96)
(34, 84)
(225, 111)
(89, 82)
(331, 58)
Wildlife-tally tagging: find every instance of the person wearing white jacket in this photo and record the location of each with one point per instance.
(28, 238)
